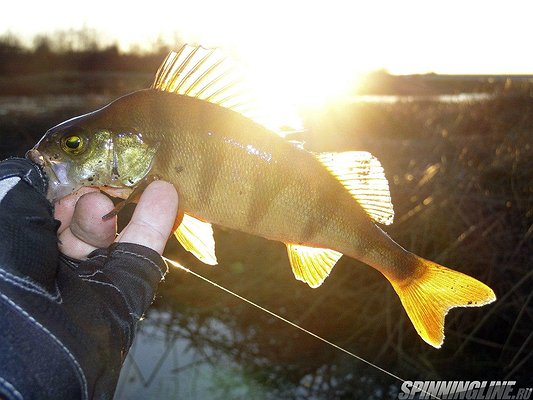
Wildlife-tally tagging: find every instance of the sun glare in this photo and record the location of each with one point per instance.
(299, 61)
(294, 79)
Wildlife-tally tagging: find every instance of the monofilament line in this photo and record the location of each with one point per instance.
(178, 265)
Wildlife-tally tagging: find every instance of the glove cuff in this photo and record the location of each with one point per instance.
(27, 171)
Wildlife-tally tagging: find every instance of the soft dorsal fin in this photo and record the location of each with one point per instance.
(311, 265)
(197, 237)
(362, 174)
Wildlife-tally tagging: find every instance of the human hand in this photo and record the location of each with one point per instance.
(67, 322)
(83, 230)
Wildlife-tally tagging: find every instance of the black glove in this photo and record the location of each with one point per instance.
(66, 325)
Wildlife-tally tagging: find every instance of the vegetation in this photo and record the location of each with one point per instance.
(74, 50)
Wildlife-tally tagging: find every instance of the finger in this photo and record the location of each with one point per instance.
(87, 223)
(153, 218)
(87, 230)
(64, 208)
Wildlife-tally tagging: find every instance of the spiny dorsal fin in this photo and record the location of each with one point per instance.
(207, 75)
(362, 174)
(197, 237)
(311, 265)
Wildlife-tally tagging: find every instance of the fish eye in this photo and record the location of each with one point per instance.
(73, 144)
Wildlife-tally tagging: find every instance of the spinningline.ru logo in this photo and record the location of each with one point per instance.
(469, 390)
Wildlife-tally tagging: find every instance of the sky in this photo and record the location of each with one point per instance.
(443, 36)
(314, 47)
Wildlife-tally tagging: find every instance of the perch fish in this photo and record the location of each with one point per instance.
(192, 128)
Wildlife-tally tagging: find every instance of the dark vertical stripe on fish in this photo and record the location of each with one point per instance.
(264, 192)
(316, 222)
(212, 160)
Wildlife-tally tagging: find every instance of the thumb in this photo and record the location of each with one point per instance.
(153, 218)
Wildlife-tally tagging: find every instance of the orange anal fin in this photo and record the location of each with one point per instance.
(429, 296)
(311, 265)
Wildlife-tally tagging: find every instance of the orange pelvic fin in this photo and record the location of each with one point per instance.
(197, 237)
(429, 295)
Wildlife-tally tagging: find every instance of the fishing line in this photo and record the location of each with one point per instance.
(178, 265)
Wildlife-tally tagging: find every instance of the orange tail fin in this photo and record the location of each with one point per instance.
(435, 290)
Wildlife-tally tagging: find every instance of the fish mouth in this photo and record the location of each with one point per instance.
(58, 183)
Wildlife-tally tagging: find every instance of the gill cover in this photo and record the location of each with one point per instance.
(74, 155)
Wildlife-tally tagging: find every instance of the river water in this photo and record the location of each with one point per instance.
(38, 105)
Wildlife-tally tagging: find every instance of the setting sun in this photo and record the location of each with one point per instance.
(298, 77)
(292, 59)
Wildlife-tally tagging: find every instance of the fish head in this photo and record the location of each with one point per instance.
(75, 154)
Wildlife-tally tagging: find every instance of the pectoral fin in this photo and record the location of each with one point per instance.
(311, 265)
(197, 237)
(129, 195)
